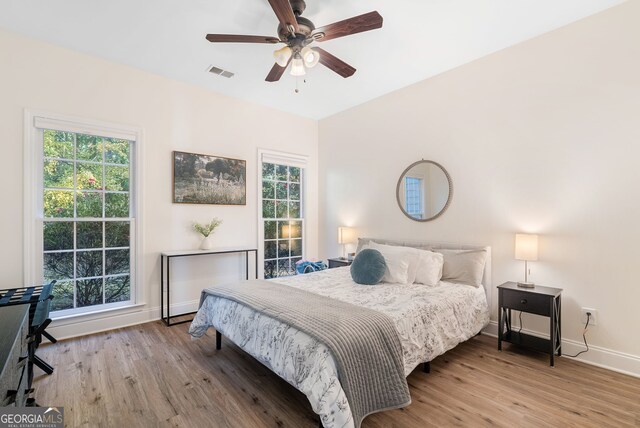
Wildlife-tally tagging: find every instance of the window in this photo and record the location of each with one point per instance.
(84, 217)
(413, 197)
(282, 218)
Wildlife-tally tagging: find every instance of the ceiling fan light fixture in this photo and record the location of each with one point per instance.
(310, 57)
(297, 66)
(297, 32)
(282, 56)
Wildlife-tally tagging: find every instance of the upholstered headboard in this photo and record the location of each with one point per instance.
(486, 278)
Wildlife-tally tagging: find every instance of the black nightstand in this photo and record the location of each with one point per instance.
(337, 262)
(545, 301)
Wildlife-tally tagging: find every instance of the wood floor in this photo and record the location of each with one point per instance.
(154, 376)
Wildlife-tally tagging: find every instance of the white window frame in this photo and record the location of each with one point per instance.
(289, 159)
(422, 191)
(34, 123)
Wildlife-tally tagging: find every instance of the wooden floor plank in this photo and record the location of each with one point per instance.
(151, 375)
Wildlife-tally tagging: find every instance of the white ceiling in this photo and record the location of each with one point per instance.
(419, 39)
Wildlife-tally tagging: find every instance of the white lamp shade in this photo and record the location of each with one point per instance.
(346, 235)
(526, 247)
(310, 56)
(297, 67)
(282, 56)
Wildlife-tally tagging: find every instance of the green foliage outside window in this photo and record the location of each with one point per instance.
(282, 214)
(87, 181)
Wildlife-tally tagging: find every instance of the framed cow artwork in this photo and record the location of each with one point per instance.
(206, 179)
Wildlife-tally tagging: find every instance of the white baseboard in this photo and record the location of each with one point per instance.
(96, 323)
(597, 356)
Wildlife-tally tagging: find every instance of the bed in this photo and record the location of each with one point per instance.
(429, 321)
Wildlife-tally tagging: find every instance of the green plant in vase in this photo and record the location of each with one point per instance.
(206, 230)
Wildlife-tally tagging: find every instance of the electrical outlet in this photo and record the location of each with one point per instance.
(593, 320)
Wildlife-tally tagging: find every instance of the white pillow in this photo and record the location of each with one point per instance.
(429, 269)
(402, 262)
(464, 266)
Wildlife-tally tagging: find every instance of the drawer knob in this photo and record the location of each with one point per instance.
(523, 301)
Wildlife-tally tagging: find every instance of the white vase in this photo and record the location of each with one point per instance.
(206, 243)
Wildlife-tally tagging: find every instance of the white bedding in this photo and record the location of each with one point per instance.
(430, 321)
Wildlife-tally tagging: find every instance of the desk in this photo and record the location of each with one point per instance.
(33, 296)
(168, 255)
(14, 356)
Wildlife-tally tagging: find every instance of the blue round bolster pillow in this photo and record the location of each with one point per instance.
(368, 267)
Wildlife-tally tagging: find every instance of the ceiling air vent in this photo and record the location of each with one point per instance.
(220, 72)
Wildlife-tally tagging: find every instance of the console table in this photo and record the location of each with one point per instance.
(168, 255)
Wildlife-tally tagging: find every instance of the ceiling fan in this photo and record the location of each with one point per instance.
(298, 33)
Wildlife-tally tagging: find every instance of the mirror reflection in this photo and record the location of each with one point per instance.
(424, 190)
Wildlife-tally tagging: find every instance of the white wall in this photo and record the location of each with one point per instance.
(174, 116)
(543, 137)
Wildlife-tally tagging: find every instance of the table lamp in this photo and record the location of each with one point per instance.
(346, 235)
(290, 231)
(527, 250)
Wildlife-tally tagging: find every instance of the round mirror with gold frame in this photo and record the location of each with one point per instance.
(424, 190)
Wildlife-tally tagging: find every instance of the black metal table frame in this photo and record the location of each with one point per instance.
(167, 319)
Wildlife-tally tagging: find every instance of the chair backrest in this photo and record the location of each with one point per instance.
(41, 313)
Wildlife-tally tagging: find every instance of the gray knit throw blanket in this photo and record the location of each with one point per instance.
(364, 343)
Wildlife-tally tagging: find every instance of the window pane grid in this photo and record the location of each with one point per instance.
(283, 219)
(413, 196)
(84, 249)
(87, 207)
(47, 158)
(117, 275)
(86, 191)
(87, 219)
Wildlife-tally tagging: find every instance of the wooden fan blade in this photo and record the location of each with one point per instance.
(276, 72)
(334, 63)
(233, 38)
(357, 24)
(284, 12)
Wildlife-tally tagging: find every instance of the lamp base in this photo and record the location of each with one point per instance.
(526, 284)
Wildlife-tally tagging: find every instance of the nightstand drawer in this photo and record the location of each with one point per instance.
(526, 302)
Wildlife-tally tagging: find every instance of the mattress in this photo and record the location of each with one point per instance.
(429, 320)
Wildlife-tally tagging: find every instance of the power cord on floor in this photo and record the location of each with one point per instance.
(584, 334)
(520, 318)
(584, 337)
